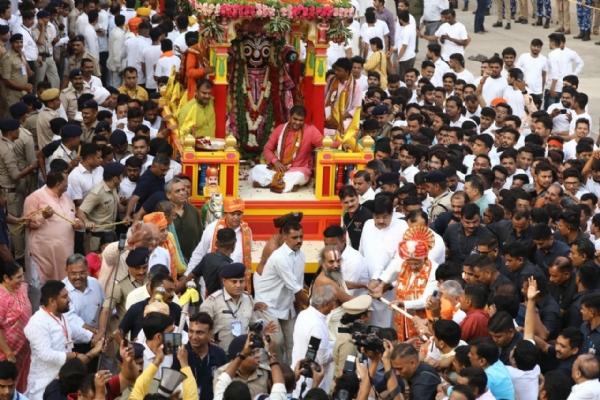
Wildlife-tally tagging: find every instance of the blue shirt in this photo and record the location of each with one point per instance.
(499, 381)
(204, 368)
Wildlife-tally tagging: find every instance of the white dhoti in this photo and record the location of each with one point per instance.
(264, 177)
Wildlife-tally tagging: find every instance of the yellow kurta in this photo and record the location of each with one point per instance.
(204, 118)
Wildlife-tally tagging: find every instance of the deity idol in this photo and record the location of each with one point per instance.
(262, 79)
(212, 182)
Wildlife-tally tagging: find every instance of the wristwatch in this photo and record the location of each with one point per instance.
(241, 356)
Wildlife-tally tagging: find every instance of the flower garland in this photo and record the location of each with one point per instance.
(255, 111)
(259, 10)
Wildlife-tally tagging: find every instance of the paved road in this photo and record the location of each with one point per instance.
(519, 37)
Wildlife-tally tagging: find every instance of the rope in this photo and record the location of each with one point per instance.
(62, 217)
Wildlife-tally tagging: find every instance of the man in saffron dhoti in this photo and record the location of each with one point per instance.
(413, 275)
(288, 154)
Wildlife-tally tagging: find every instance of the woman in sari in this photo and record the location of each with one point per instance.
(15, 311)
(378, 61)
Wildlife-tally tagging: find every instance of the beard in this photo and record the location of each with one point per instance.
(335, 275)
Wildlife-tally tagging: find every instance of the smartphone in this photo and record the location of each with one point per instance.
(436, 294)
(350, 364)
(563, 111)
(171, 342)
(122, 241)
(125, 342)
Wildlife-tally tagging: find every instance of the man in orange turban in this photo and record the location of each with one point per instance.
(166, 241)
(234, 211)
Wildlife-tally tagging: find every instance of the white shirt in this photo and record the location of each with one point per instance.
(150, 57)
(571, 57)
(91, 41)
(334, 52)
(145, 165)
(441, 67)
(92, 85)
(400, 28)
(470, 114)
(116, 41)
(30, 50)
(493, 88)
(133, 53)
(432, 10)
(465, 75)
(205, 245)
(354, 43)
(80, 23)
(560, 123)
(354, 269)
(49, 347)
(282, 278)
(532, 68)
(81, 181)
(149, 357)
(85, 307)
(165, 64)
(314, 324)
(516, 101)
(407, 37)
(379, 246)
(179, 45)
(525, 382)
(409, 173)
(128, 13)
(588, 390)
(575, 116)
(126, 188)
(174, 170)
(103, 24)
(460, 121)
(369, 195)
(490, 196)
(558, 68)
(456, 31)
(379, 29)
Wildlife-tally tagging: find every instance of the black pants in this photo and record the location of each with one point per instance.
(103, 67)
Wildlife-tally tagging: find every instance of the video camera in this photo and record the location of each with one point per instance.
(365, 336)
(309, 359)
(256, 334)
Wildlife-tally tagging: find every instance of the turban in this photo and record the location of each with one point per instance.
(233, 205)
(555, 142)
(156, 218)
(134, 23)
(100, 95)
(212, 172)
(143, 11)
(416, 243)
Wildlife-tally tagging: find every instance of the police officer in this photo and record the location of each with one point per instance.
(437, 189)
(389, 182)
(11, 179)
(47, 68)
(231, 309)
(24, 146)
(51, 101)
(69, 143)
(34, 104)
(79, 53)
(70, 95)
(15, 71)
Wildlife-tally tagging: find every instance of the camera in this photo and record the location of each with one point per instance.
(256, 335)
(365, 336)
(309, 359)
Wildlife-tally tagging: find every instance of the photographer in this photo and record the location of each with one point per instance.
(393, 386)
(237, 369)
(244, 367)
(357, 310)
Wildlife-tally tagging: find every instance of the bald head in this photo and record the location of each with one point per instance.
(586, 368)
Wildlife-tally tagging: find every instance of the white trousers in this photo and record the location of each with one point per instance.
(264, 176)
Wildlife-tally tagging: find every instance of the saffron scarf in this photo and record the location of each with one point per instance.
(407, 290)
(246, 248)
(286, 157)
(167, 54)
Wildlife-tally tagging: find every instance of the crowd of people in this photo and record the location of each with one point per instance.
(466, 263)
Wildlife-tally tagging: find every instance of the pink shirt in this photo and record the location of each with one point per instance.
(52, 240)
(311, 139)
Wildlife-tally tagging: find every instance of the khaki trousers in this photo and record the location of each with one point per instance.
(564, 16)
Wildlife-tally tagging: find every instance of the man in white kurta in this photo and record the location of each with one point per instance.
(51, 338)
(313, 323)
(379, 246)
(281, 282)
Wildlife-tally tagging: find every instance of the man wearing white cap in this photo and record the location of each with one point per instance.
(356, 310)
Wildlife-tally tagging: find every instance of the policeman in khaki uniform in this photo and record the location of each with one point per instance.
(101, 205)
(437, 189)
(4, 36)
(11, 178)
(250, 371)
(15, 71)
(24, 146)
(78, 45)
(51, 101)
(70, 95)
(231, 308)
(69, 143)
